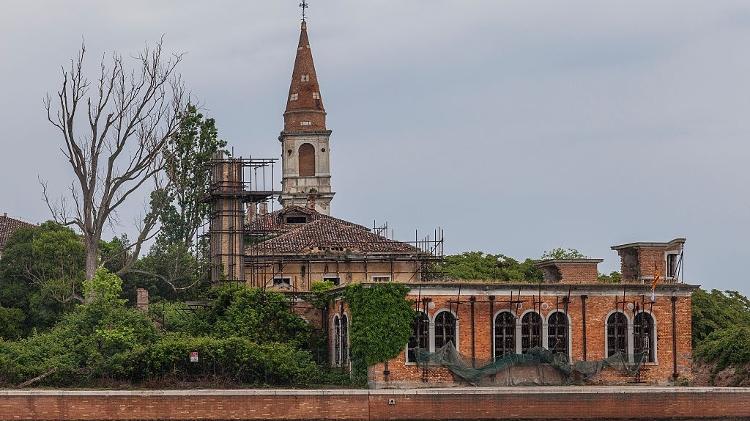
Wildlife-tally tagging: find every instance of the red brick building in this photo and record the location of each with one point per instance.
(571, 312)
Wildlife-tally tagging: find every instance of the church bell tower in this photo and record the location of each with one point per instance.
(306, 169)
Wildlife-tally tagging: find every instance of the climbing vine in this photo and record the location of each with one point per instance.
(381, 322)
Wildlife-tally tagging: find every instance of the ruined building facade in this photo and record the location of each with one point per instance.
(570, 312)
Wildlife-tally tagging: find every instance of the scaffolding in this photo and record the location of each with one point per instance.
(235, 184)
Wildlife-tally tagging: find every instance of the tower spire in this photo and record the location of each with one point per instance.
(304, 107)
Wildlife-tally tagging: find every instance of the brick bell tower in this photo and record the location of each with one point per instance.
(306, 169)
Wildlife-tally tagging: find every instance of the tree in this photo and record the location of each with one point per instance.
(114, 137)
(188, 156)
(478, 265)
(48, 258)
(563, 254)
(613, 277)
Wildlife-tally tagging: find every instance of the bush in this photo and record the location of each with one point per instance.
(730, 346)
(236, 359)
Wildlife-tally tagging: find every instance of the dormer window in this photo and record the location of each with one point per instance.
(316, 95)
(305, 78)
(293, 97)
(296, 219)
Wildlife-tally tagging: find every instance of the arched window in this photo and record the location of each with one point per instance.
(336, 341)
(531, 331)
(557, 333)
(344, 340)
(420, 336)
(617, 334)
(505, 334)
(644, 337)
(445, 329)
(307, 160)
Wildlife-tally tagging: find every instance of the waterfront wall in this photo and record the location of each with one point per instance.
(549, 403)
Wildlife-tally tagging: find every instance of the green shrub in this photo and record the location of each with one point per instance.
(233, 358)
(730, 346)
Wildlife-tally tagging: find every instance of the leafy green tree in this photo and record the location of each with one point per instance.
(478, 265)
(41, 273)
(563, 254)
(188, 155)
(11, 323)
(613, 278)
(717, 310)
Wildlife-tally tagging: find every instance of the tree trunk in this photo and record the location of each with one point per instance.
(92, 257)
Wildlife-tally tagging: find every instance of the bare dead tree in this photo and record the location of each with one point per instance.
(114, 133)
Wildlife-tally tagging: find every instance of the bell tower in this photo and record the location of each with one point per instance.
(306, 169)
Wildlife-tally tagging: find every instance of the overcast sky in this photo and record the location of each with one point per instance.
(517, 126)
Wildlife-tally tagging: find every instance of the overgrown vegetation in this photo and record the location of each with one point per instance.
(381, 323)
(482, 266)
(246, 336)
(721, 331)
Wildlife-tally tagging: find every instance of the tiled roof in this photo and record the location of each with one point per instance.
(7, 227)
(275, 222)
(328, 235)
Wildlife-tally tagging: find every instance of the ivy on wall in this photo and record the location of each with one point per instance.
(381, 322)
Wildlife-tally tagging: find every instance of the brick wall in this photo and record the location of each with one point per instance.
(598, 307)
(549, 403)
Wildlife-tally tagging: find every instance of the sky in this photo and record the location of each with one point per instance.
(515, 126)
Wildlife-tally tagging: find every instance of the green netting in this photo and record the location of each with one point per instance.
(538, 358)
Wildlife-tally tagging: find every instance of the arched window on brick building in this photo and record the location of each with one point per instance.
(344, 340)
(505, 334)
(617, 334)
(336, 341)
(557, 333)
(420, 336)
(445, 329)
(307, 160)
(644, 339)
(531, 331)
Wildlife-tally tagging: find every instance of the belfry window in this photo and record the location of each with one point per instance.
(557, 333)
(445, 329)
(307, 160)
(420, 337)
(531, 331)
(505, 334)
(617, 334)
(644, 338)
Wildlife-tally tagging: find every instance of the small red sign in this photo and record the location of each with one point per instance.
(193, 357)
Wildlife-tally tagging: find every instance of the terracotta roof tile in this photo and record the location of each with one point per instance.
(8, 226)
(328, 235)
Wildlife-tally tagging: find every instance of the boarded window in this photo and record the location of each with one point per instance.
(307, 160)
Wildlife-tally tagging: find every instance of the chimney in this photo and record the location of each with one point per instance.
(141, 300)
(251, 211)
(263, 208)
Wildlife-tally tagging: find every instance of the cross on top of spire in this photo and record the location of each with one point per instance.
(304, 7)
